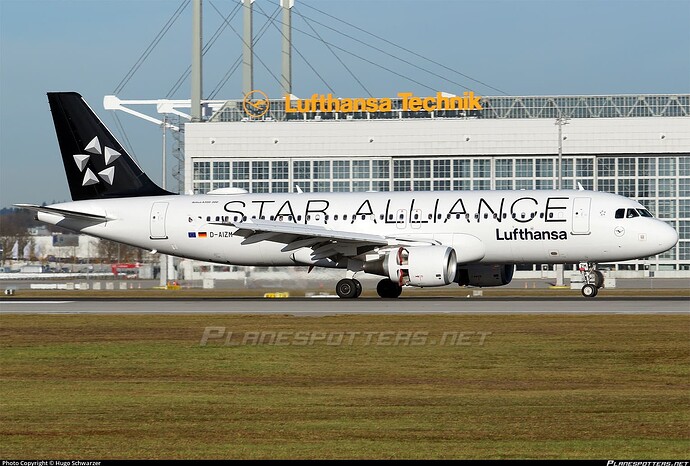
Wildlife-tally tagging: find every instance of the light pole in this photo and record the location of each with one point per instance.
(164, 258)
(560, 121)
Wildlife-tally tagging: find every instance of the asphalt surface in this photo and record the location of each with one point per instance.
(328, 306)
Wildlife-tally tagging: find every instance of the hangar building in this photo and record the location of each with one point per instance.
(633, 145)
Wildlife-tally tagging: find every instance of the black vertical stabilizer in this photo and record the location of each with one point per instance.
(97, 166)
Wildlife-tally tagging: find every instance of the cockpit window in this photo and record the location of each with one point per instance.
(632, 213)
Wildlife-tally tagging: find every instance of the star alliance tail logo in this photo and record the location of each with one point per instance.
(93, 148)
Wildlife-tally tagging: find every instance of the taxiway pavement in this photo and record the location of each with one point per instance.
(325, 306)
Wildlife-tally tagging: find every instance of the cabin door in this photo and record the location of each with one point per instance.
(581, 215)
(158, 211)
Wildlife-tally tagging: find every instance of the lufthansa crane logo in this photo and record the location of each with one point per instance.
(255, 104)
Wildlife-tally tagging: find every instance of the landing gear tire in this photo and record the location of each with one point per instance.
(590, 290)
(388, 289)
(347, 288)
(358, 286)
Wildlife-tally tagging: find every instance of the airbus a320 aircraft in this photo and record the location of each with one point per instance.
(419, 239)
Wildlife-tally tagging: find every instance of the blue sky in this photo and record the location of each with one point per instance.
(520, 47)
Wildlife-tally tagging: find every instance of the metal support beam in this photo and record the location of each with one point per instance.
(247, 49)
(196, 61)
(286, 75)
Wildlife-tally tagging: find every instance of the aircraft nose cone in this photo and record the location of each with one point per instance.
(666, 237)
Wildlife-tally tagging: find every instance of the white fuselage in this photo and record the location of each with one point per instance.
(490, 227)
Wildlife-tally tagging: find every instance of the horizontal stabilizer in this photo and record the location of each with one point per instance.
(65, 213)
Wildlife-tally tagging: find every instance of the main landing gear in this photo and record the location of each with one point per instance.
(348, 288)
(388, 289)
(594, 279)
(352, 288)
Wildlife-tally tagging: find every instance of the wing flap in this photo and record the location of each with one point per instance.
(310, 231)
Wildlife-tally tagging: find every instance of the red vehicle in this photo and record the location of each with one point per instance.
(130, 270)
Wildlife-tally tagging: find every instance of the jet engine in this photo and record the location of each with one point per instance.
(485, 275)
(417, 265)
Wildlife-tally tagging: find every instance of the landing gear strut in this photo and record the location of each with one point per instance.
(594, 279)
(348, 288)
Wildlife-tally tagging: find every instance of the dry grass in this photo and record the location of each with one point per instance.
(77, 386)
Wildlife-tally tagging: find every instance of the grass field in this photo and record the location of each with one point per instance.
(512, 386)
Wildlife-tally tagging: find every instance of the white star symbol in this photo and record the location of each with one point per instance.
(109, 156)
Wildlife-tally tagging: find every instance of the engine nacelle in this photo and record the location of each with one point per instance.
(421, 265)
(485, 275)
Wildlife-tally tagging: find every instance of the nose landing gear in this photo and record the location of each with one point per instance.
(594, 279)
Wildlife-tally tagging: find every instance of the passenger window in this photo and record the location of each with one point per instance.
(620, 213)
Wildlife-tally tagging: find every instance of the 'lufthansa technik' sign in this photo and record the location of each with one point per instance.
(256, 103)
(409, 102)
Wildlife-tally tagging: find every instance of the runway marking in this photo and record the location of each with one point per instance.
(38, 302)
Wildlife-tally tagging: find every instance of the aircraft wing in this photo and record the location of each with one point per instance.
(65, 213)
(324, 241)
